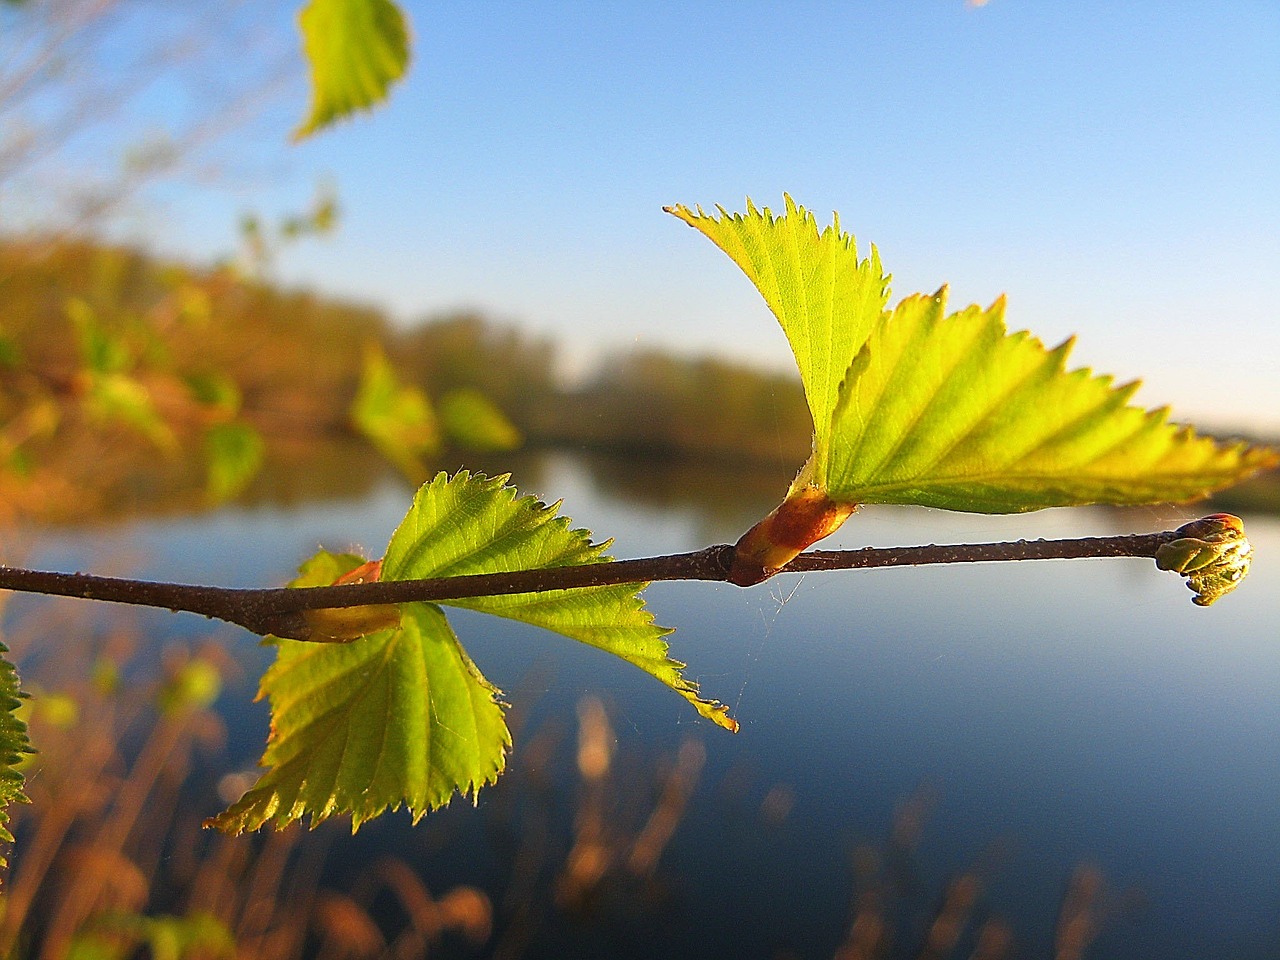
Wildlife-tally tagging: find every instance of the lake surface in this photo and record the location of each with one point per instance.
(1047, 715)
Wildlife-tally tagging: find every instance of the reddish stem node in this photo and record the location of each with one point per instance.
(804, 518)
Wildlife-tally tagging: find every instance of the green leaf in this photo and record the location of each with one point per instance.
(395, 418)
(472, 420)
(233, 454)
(322, 218)
(825, 298)
(399, 717)
(118, 397)
(953, 412)
(14, 745)
(464, 524)
(356, 49)
(100, 351)
(911, 408)
(215, 390)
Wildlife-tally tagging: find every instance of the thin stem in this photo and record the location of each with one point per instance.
(279, 610)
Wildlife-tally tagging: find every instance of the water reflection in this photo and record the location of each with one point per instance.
(1062, 713)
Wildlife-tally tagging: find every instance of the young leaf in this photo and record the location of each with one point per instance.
(399, 717)
(825, 298)
(216, 391)
(100, 351)
(953, 412)
(397, 419)
(120, 398)
(473, 421)
(957, 414)
(233, 455)
(14, 745)
(356, 49)
(464, 524)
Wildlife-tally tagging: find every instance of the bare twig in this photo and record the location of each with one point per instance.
(279, 611)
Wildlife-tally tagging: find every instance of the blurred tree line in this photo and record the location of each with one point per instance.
(655, 404)
(295, 359)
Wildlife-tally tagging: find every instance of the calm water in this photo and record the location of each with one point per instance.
(1057, 714)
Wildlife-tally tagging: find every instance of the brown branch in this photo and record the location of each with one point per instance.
(279, 610)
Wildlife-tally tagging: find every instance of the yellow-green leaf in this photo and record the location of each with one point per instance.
(216, 391)
(402, 716)
(396, 418)
(399, 717)
(953, 412)
(474, 524)
(473, 421)
(909, 408)
(826, 299)
(234, 453)
(101, 351)
(356, 49)
(120, 398)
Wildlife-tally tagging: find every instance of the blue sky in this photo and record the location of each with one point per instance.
(1113, 167)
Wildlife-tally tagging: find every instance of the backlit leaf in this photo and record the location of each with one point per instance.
(399, 717)
(233, 453)
(215, 390)
(472, 420)
(953, 412)
(120, 398)
(356, 49)
(396, 418)
(101, 352)
(911, 408)
(826, 299)
(464, 524)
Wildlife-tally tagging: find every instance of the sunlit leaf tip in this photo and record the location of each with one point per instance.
(468, 524)
(825, 297)
(1213, 554)
(356, 50)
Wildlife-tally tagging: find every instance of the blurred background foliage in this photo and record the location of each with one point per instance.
(117, 364)
(130, 383)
